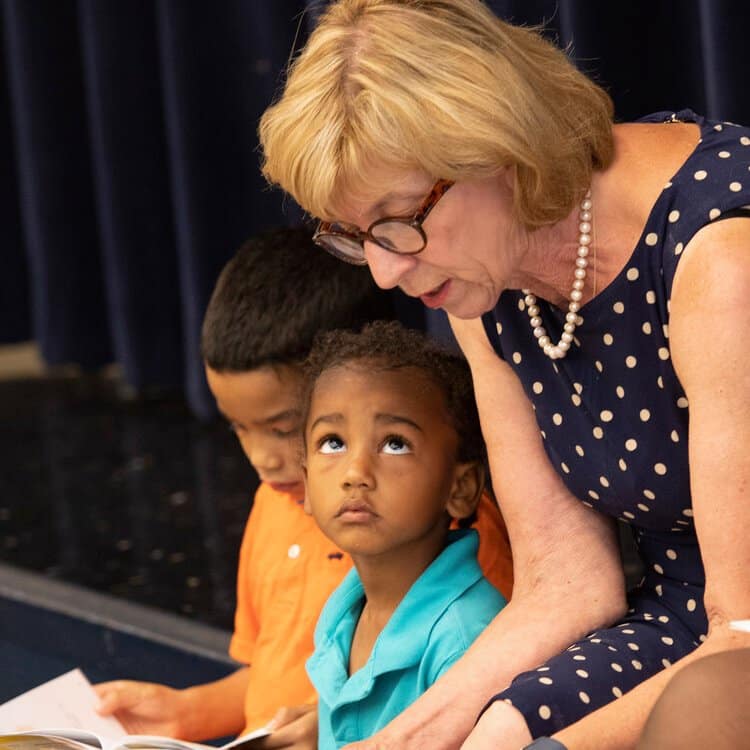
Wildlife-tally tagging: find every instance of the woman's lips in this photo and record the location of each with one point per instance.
(437, 296)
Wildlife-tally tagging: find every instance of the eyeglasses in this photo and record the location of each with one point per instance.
(397, 235)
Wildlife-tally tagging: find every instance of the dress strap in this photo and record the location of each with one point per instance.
(741, 212)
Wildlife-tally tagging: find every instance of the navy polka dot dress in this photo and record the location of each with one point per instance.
(614, 418)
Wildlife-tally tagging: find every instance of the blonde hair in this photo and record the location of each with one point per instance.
(439, 86)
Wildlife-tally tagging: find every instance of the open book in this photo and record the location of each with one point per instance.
(68, 702)
(78, 739)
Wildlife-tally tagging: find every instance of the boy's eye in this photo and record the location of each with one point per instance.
(279, 433)
(396, 446)
(331, 444)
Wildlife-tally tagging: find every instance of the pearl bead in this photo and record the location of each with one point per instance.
(572, 319)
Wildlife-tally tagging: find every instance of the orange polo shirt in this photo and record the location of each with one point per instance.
(287, 570)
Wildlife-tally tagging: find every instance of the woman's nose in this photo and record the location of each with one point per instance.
(387, 268)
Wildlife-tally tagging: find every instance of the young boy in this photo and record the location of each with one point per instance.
(269, 302)
(393, 452)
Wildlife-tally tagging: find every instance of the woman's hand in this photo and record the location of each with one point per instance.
(144, 707)
(294, 728)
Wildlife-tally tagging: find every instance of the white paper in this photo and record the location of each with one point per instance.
(67, 701)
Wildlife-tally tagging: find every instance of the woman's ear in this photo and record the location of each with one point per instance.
(467, 490)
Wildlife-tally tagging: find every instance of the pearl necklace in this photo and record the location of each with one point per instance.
(572, 318)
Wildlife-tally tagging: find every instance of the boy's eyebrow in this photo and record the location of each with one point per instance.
(287, 414)
(335, 418)
(386, 418)
(382, 417)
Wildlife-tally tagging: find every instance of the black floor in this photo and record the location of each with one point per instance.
(133, 498)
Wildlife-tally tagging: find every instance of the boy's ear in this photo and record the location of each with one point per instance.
(467, 490)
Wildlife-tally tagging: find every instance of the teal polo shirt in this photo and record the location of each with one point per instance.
(446, 608)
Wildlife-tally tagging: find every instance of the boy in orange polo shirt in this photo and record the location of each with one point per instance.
(269, 302)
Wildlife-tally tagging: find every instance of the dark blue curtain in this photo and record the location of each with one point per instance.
(128, 131)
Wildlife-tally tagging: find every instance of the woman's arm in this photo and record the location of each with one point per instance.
(709, 326)
(556, 542)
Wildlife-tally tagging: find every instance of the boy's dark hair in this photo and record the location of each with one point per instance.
(390, 346)
(275, 294)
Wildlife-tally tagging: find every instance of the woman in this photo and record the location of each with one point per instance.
(609, 265)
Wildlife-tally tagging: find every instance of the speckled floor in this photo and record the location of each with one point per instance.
(133, 498)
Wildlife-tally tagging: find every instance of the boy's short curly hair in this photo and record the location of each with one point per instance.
(388, 345)
(276, 292)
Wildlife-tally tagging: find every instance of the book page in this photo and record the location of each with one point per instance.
(67, 704)
(39, 742)
(66, 701)
(246, 740)
(42, 741)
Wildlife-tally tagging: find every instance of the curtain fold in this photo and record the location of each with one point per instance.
(129, 131)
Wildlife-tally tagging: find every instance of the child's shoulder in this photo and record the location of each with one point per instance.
(476, 600)
(470, 611)
(280, 516)
(269, 500)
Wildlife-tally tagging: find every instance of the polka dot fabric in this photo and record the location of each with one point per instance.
(614, 420)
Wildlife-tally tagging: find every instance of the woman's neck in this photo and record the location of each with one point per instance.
(646, 156)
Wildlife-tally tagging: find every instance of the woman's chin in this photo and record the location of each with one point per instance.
(458, 301)
(470, 307)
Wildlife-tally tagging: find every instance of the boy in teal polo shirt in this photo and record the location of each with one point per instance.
(393, 451)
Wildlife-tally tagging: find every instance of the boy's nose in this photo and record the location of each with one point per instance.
(387, 268)
(262, 458)
(358, 472)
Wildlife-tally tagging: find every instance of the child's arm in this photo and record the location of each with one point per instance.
(215, 709)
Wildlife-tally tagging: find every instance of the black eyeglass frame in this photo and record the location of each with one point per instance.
(326, 228)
